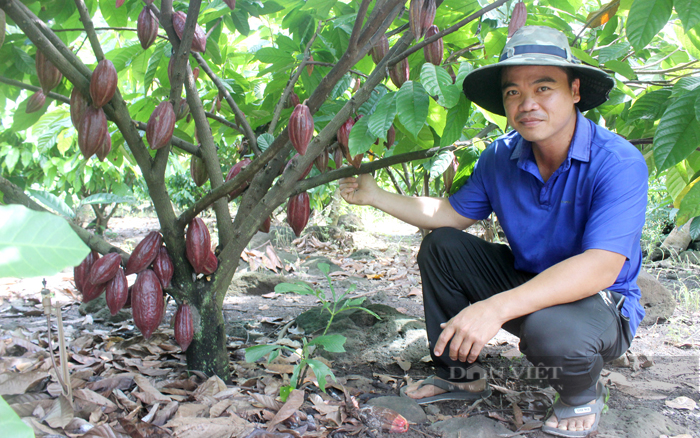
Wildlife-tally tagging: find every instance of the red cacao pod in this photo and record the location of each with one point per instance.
(184, 326)
(433, 52)
(78, 105)
(298, 212)
(81, 271)
(147, 27)
(517, 18)
(301, 128)
(231, 3)
(338, 157)
(306, 171)
(147, 302)
(292, 100)
(265, 226)
(310, 67)
(35, 102)
(92, 131)
(199, 39)
(119, 3)
(321, 161)
(161, 125)
(428, 14)
(103, 83)
(92, 291)
(198, 244)
(344, 134)
(211, 264)
(104, 269)
(390, 137)
(235, 170)
(116, 292)
(449, 175)
(163, 267)
(379, 51)
(183, 109)
(400, 73)
(105, 148)
(144, 253)
(49, 75)
(198, 171)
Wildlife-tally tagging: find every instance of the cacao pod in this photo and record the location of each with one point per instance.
(198, 171)
(147, 302)
(306, 171)
(301, 128)
(144, 253)
(104, 269)
(116, 292)
(356, 87)
(517, 18)
(35, 102)
(198, 244)
(105, 148)
(147, 27)
(298, 212)
(265, 226)
(235, 170)
(49, 75)
(199, 39)
(81, 271)
(449, 175)
(338, 157)
(428, 14)
(231, 3)
(310, 67)
(184, 326)
(211, 264)
(78, 105)
(92, 131)
(384, 419)
(119, 3)
(183, 109)
(400, 73)
(103, 83)
(415, 18)
(344, 134)
(321, 161)
(2, 27)
(390, 137)
(380, 49)
(163, 267)
(292, 100)
(161, 125)
(433, 52)
(92, 291)
(195, 73)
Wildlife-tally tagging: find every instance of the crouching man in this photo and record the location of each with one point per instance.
(571, 198)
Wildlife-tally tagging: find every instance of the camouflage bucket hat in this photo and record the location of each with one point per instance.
(536, 45)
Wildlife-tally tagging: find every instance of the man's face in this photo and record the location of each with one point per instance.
(539, 103)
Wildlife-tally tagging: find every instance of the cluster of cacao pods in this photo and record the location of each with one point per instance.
(298, 212)
(199, 39)
(198, 246)
(433, 52)
(301, 128)
(517, 18)
(147, 27)
(161, 125)
(235, 170)
(421, 16)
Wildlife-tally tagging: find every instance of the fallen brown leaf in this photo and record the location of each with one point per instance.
(293, 403)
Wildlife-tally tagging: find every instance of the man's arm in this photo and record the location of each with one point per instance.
(422, 212)
(573, 279)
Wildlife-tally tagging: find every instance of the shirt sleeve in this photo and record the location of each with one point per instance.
(618, 208)
(472, 200)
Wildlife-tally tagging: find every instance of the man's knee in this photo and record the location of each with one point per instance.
(446, 239)
(549, 335)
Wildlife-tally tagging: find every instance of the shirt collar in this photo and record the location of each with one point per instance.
(580, 148)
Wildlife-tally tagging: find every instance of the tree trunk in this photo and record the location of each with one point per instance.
(207, 352)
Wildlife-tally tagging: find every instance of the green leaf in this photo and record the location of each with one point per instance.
(615, 51)
(240, 21)
(325, 268)
(361, 139)
(34, 243)
(10, 423)
(678, 133)
(414, 103)
(53, 202)
(585, 57)
(695, 228)
(320, 370)
(437, 82)
(467, 158)
(285, 391)
(22, 120)
(270, 55)
(108, 198)
(122, 58)
(651, 105)
(253, 354)
(11, 159)
(457, 117)
(383, 116)
(299, 287)
(115, 17)
(690, 205)
(23, 61)
(265, 140)
(646, 18)
(689, 13)
(437, 164)
(153, 63)
(332, 343)
(622, 68)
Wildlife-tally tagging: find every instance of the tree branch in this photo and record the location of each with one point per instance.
(55, 96)
(357, 27)
(223, 121)
(90, 30)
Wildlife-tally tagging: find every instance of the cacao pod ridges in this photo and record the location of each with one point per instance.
(235, 170)
(198, 171)
(211, 264)
(49, 75)
(116, 292)
(517, 18)
(81, 271)
(92, 131)
(35, 102)
(161, 125)
(105, 148)
(103, 83)
(184, 326)
(147, 27)
(199, 39)
(421, 16)
(163, 267)
(301, 128)
(400, 73)
(433, 52)
(198, 244)
(298, 212)
(379, 50)
(147, 302)
(344, 135)
(104, 269)
(144, 253)
(78, 105)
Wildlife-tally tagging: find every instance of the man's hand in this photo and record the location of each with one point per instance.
(360, 190)
(469, 331)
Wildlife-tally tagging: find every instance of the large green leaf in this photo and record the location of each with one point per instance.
(253, 354)
(122, 58)
(651, 105)
(622, 68)
(270, 55)
(361, 139)
(383, 116)
(690, 205)
(615, 51)
(678, 133)
(436, 165)
(689, 13)
(457, 117)
(53, 202)
(10, 423)
(108, 198)
(321, 370)
(23, 61)
(153, 64)
(646, 19)
(36, 243)
(413, 102)
(332, 343)
(437, 82)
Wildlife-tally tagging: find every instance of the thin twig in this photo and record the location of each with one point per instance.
(330, 64)
(90, 29)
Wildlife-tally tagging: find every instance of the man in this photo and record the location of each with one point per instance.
(571, 198)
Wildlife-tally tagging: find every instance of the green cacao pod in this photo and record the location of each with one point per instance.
(147, 302)
(144, 253)
(198, 171)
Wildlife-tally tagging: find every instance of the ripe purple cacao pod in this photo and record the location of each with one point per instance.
(265, 226)
(103, 83)
(49, 75)
(428, 14)
(301, 128)
(80, 272)
(292, 100)
(517, 18)
(211, 264)
(198, 171)
(161, 125)
(306, 171)
(147, 27)
(310, 67)
(235, 170)
(92, 131)
(400, 73)
(184, 326)
(78, 105)
(144, 253)
(448, 176)
(379, 50)
(321, 161)
(147, 302)
(390, 137)
(231, 3)
(433, 52)
(298, 212)
(105, 148)
(116, 292)
(92, 291)
(198, 244)
(338, 157)
(163, 267)
(183, 109)
(104, 269)
(35, 102)
(344, 134)
(199, 39)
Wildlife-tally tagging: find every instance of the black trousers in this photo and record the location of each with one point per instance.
(570, 342)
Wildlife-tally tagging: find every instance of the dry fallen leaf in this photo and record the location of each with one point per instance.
(293, 403)
(681, 403)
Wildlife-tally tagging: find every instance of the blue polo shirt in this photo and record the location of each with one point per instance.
(595, 200)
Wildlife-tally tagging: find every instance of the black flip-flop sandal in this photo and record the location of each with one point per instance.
(562, 412)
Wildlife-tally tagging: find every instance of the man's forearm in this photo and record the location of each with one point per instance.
(422, 212)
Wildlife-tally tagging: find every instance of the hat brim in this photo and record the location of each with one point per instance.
(483, 85)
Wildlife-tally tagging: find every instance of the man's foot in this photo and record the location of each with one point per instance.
(425, 389)
(574, 423)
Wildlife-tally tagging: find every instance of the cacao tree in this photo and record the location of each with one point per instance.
(272, 87)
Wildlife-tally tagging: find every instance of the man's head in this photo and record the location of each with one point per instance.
(537, 46)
